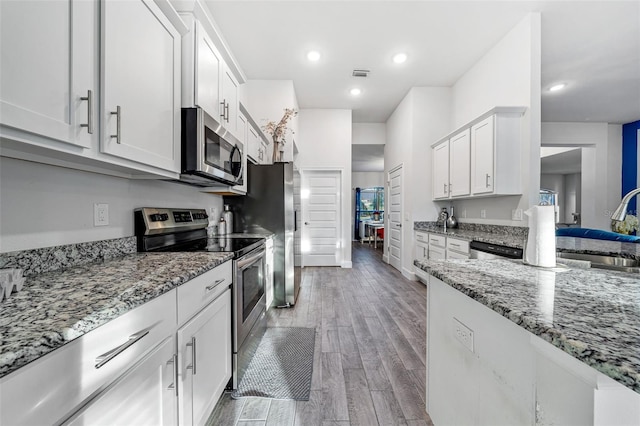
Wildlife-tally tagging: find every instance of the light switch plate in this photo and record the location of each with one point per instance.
(483, 214)
(100, 214)
(516, 214)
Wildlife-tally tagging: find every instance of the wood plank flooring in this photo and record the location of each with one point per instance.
(370, 349)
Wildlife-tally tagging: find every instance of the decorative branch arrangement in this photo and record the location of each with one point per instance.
(279, 131)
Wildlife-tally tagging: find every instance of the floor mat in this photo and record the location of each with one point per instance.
(282, 365)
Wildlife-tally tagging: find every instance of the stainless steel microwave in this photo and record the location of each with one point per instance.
(210, 153)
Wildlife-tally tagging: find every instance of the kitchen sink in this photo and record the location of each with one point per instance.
(605, 262)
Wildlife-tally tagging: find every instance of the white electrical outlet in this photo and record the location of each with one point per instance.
(516, 214)
(483, 214)
(100, 214)
(463, 334)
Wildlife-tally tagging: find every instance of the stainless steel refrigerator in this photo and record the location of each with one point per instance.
(269, 205)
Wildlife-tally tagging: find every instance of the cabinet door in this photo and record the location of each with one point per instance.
(441, 170)
(459, 164)
(141, 84)
(146, 395)
(230, 99)
(253, 146)
(422, 251)
(456, 255)
(437, 253)
(49, 59)
(207, 78)
(204, 360)
(482, 157)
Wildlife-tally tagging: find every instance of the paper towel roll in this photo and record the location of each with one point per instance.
(540, 249)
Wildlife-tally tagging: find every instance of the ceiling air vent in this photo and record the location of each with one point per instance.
(361, 73)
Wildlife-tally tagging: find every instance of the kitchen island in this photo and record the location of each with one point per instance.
(520, 344)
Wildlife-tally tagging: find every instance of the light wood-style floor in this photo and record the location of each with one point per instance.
(369, 362)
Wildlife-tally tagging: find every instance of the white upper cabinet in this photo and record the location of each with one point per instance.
(459, 168)
(207, 78)
(481, 158)
(229, 106)
(495, 155)
(141, 84)
(483, 149)
(48, 81)
(440, 156)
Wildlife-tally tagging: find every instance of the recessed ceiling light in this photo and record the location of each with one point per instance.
(400, 58)
(557, 87)
(313, 56)
(355, 91)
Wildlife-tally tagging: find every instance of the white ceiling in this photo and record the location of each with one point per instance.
(565, 162)
(594, 46)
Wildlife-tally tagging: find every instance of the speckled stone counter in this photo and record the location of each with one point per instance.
(595, 316)
(56, 307)
(511, 236)
(589, 246)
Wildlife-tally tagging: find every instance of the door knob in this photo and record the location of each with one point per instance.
(306, 223)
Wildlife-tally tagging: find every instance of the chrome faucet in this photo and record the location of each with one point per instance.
(621, 211)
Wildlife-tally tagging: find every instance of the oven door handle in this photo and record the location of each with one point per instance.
(251, 258)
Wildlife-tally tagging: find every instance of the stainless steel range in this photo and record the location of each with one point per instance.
(172, 230)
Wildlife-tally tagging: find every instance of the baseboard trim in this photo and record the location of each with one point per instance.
(347, 264)
(385, 258)
(409, 274)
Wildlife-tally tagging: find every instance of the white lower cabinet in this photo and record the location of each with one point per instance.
(145, 395)
(422, 246)
(204, 360)
(457, 248)
(127, 371)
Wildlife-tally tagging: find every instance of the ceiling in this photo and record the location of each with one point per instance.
(593, 46)
(563, 163)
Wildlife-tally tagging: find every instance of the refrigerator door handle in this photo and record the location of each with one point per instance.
(295, 220)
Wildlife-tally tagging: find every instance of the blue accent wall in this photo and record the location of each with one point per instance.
(630, 161)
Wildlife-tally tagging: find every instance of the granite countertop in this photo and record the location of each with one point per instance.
(602, 247)
(57, 307)
(505, 239)
(594, 315)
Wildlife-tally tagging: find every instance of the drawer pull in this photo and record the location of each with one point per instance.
(89, 99)
(108, 356)
(214, 285)
(192, 367)
(118, 135)
(454, 245)
(174, 362)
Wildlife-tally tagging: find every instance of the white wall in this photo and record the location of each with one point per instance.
(601, 166)
(325, 143)
(422, 117)
(43, 206)
(369, 134)
(367, 179)
(266, 101)
(508, 75)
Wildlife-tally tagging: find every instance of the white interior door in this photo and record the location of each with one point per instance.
(321, 236)
(394, 246)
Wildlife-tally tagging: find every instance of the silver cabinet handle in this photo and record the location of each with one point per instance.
(487, 180)
(226, 112)
(222, 104)
(174, 362)
(117, 113)
(444, 188)
(192, 345)
(108, 356)
(89, 99)
(214, 285)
